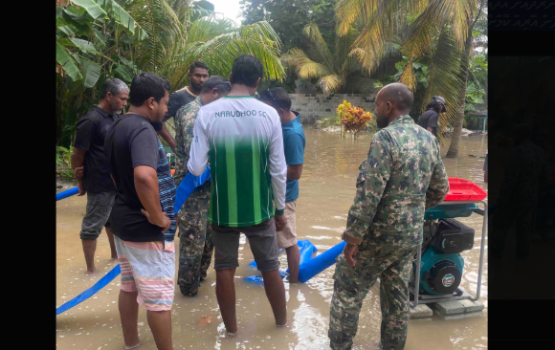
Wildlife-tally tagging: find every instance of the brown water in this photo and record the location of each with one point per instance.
(327, 188)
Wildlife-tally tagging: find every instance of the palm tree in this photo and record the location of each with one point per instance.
(336, 72)
(435, 28)
(107, 38)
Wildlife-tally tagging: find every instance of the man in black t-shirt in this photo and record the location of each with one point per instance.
(428, 119)
(198, 73)
(91, 167)
(143, 219)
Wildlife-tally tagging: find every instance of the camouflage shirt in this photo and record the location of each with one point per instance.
(184, 123)
(402, 177)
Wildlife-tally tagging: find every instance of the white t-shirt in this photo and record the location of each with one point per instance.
(242, 138)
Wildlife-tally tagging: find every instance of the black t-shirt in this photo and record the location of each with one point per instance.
(177, 99)
(131, 142)
(428, 119)
(91, 130)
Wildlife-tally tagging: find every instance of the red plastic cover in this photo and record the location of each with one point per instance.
(464, 190)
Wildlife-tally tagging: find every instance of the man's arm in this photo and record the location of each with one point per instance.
(83, 135)
(294, 155)
(432, 122)
(198, 156)
(294, 171)
(77, 161)
(146, 185)
(165, 133)
(278, 168)
(372, 180)
(439, 185)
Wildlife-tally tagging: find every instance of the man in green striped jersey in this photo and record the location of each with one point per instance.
(242, 139)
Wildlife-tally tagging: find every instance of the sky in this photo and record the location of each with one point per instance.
(229, 9)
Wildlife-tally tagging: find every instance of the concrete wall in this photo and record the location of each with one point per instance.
(313, 107)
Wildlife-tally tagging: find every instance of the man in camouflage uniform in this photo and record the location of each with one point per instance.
(195, 247)
(402, 176)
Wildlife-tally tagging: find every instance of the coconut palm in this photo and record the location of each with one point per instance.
(440, 29)
(336, 72)
(98, 39)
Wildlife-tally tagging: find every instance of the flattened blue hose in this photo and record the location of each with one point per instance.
(319, 263)
(188, 185)
(67, 193)
(91, 291)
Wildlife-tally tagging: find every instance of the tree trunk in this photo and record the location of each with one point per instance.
(457, 128)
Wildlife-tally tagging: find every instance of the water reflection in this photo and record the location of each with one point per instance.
(327, 189)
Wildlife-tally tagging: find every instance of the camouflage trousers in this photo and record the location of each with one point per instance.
(351, 284)
(195, 244)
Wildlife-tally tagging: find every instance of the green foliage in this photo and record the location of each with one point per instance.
(421, 71)
(289, 17)
(63, 156)
(99, 39)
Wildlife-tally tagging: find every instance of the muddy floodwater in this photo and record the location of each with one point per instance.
(327, 189)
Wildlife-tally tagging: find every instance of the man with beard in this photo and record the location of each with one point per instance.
(198, 73)
(143, 219)
(91, 167)
(402, 176)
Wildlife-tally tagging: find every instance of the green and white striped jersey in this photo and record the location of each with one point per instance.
(242, 139)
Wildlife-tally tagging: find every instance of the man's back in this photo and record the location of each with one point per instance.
(414, 159)
(91, 131)
(429, 119)
(246, 159)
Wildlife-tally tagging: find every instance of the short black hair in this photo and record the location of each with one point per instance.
(278, 98)
(147, 85)
(216, 81)
(246, 70)
(113, 85)
(197, 65)
(400, 94)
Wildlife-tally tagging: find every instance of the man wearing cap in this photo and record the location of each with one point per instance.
(428, 120)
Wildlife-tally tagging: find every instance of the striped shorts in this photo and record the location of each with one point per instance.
(149, 269)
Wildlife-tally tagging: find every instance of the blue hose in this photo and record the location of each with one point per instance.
(67, 193)
(188, 185)
(321, 262)
(91, 291)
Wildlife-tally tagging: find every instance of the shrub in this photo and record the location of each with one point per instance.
(354, 119)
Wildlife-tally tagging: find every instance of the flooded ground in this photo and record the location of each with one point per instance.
(327, 188)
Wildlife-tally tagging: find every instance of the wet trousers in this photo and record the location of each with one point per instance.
(195, 244)
(351, 284)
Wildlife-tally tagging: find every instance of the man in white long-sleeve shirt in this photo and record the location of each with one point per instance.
(242, 139)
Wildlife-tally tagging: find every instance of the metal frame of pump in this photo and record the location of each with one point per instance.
(459, 294)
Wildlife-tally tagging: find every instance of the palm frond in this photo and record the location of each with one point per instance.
(407, 77)
(331, 83)
(304, 66)
(444, 79)
(318, 46)
(347, 11)
(258, 39)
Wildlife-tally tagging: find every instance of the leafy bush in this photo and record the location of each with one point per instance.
(63, 162)
(354, 119)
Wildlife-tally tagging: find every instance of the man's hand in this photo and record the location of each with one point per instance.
(172, 145)
(164, 222)
(350, 251)
(281, 221)
(79, 171)
(82, 190)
